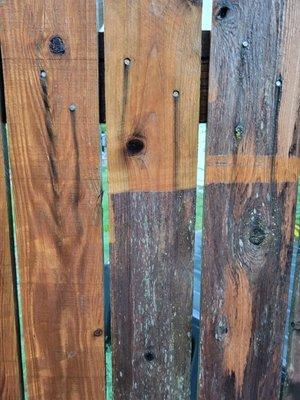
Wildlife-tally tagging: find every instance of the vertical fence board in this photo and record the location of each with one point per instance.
(251, 175)
(152, 52)
(10, 387)
(292, 65)
(50, 62)
(291, 390)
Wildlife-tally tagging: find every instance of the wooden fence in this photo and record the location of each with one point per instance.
(51, 265)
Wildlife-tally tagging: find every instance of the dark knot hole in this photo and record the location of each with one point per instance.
(149, 356)
(222, 12)
(134, 146)
(257, 236)
(57, 45)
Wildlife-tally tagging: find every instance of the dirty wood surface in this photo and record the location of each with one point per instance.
(153, 61)
(292, 380)
(50, 62)
(252, 163)
(10, 377)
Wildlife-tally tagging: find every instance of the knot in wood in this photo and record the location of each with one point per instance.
(149, 356)
(257, 235)
(134, 146)
(295, 325)
(222, 12)
(98, 332)
(221, 329)
(57, 45)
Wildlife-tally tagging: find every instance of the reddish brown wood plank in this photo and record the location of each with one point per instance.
(203, 78)
(50, 68)
(10, 376)
(152, 99)
(250, 197)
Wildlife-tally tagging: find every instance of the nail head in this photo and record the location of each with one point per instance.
(175, 93)
(72, 107)
(245, 44)
(127, 61)
(278, 83)
(43, 74)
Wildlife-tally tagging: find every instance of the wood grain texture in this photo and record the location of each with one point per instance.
(203, 81)
(292, 382)
(10, 376)
(153, 48)
(151, 283)
(55, 171)
(203, 78)
(254, 95)
(162, 40)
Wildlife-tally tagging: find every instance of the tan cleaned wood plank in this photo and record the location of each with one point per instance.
(51, 79)
(162, 41)
(10, 374)
(203, 80)
(153, 61)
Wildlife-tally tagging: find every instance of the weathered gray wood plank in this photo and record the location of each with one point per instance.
(252, 164)
(152, 99)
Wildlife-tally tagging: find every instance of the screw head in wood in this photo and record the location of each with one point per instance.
(72, 107)
(176, 94)
(43, 74)
(127, 62)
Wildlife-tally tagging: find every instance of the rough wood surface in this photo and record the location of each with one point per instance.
(203, 77)
(152, 108)
(10, 377)
(250, 197)
(203, 80)
(292, 382)
(50, 62)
